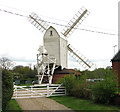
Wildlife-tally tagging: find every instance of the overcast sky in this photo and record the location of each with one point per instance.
(19, 40)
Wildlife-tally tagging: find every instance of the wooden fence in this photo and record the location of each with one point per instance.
(43, 90)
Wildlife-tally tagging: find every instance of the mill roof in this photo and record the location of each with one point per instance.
(116, 57)
(67, 71)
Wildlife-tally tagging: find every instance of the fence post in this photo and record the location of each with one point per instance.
(65, 91)
(31, 91)
(47, 90)
(16, 90)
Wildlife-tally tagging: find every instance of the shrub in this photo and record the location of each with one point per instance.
(68, 82)
(105, 90)
(81, 88)
(77, 87)
(7, 88)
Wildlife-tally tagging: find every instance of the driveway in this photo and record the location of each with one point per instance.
(40, 104)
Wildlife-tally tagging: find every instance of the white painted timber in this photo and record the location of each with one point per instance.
(38, 91)
(56, 46)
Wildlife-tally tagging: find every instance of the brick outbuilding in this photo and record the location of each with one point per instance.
(58, 74)
(116, 65)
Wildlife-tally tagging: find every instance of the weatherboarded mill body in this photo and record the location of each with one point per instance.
(56, 46)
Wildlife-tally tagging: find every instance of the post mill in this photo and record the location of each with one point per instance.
(54, 52)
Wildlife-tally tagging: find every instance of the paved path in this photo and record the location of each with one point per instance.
(40, 104)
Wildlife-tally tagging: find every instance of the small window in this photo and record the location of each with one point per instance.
(51, 33)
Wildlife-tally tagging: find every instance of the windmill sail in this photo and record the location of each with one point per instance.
(75, 22)
(82, 60)
(38, 22)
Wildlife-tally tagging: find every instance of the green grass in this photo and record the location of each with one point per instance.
(81, 104)
(13, 105)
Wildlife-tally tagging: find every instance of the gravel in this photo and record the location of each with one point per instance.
(42, 103)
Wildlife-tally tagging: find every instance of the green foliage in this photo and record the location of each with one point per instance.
(102, 91)
(105, 90)
(13, 106)
(7, 87)
(61, 80)
(81, 88)
(69, 83)
(97, 73)
(77, 87)
(24, 73)
(81, 91)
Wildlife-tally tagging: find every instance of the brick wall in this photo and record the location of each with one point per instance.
(56, 77)
(116, 68)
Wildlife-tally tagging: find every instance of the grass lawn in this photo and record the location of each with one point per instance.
(81, 104)
(13, 105)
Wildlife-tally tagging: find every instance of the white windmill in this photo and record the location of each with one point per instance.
(54, 52)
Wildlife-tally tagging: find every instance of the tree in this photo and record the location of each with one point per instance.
(6, 63)
(7, 87)
(24, 73)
